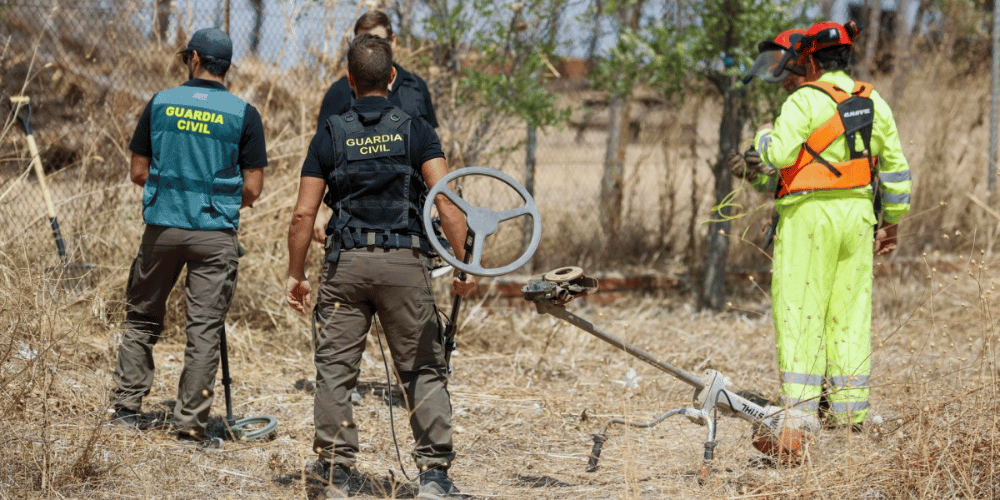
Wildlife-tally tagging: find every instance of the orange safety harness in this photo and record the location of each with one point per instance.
(811, 172)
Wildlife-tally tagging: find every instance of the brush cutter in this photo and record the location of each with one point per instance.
(779, 432)
(73, 276)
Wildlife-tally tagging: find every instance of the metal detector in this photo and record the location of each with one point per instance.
(481, 222)
(244, 428)
(551, 291)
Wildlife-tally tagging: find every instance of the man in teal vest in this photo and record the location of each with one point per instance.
(835, 164)
(199, 154)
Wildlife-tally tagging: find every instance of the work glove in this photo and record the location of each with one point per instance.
(755, 164)
(736, 165)
(747, 165)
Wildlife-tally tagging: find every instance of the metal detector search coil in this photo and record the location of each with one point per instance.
(482, 222)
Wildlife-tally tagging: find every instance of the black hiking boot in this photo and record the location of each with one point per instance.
(435, 485)
(127, 418)
(335, 480)
(192, 438)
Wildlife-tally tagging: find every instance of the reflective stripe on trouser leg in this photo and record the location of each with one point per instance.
(817, 256)
(801, 391)
(848, 326)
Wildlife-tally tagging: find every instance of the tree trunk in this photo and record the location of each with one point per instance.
(258, 24)
(530, 148)
(162, 19)
(872, 29)
(826, 8)
(612, 183)
(712, 289)
(901, 52)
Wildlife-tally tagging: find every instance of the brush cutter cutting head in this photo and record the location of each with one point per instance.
(788, 447)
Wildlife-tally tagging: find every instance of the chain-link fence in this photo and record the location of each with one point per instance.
(90, 67)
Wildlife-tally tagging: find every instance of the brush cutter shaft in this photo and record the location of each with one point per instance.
(561, 313)
(711, 390)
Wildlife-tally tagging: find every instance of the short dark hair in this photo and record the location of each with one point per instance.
(833, 58)
(371, 20)
(369, 59)
(217, 67)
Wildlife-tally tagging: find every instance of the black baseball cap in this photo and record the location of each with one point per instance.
(211, 42)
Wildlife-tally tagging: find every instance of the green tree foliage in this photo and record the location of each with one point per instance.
(496, 57)
(680, 47)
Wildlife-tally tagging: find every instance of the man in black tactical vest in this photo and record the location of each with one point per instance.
(378, 164)
(407, 91)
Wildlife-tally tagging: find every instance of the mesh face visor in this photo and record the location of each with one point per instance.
(770, 66)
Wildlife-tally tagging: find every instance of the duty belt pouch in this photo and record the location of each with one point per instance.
(332, 247)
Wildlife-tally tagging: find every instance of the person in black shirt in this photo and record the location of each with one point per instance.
(378, 164)
(199, 153)
(407, 92)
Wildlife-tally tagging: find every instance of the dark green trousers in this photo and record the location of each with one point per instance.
(395, 284)
(212, 259)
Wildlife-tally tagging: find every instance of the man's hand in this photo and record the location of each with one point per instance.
(297, 293)
(464, 287)
(748, 165)
(319, 225)
(885, 239)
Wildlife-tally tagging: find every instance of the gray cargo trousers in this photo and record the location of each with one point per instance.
(212, 259)
(395, 284)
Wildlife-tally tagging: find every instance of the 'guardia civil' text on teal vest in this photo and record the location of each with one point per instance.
(194, 179)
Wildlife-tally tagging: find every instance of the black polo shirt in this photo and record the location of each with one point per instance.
(424, 142)
(253, 151)
(339, 96)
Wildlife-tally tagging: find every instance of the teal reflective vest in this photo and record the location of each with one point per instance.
(194, 179)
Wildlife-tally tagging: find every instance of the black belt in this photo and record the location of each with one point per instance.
(369, 239)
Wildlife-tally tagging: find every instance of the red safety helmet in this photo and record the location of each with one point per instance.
(773, 65)
(827, 34)
(780, 42)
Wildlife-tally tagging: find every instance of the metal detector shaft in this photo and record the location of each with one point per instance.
(226, 380)
(449, 334)
(561, 313)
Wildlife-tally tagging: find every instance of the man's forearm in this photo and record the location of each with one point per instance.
(453, 224)
(299, 235)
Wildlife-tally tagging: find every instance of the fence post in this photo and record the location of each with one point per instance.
(529, 182)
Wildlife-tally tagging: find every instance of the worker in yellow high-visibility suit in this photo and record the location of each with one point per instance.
(833, 150)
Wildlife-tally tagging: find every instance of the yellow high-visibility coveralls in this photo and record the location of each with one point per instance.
(823, 253)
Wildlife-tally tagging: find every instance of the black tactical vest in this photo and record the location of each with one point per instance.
(375, 193)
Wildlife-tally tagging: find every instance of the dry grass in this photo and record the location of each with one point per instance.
(528, 391)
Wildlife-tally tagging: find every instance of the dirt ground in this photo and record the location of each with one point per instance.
(529, 391)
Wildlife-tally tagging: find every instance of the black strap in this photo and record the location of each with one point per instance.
(822, 160)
